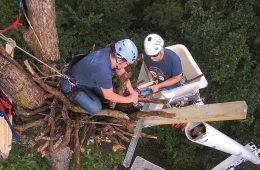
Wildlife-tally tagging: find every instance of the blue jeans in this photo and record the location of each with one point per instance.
(88, 101)
(85, 98)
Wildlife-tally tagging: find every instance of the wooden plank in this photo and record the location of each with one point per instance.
(201, 113)
(5, 137)
(145, 85)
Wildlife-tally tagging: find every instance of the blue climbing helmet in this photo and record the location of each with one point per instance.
(127, 50)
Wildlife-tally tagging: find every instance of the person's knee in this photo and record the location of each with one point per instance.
(89, 105)
(95, 108)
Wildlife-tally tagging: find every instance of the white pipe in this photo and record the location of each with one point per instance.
(204, 134)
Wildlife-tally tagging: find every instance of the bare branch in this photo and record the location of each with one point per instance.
(68, 131)
(30, 125)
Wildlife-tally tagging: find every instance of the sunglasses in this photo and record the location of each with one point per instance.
(154, 55)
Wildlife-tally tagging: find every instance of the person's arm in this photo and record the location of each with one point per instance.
(148, 73)
(169, 82)
(130, 88)
(111, 96)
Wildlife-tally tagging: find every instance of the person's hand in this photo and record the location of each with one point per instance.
(133, 98)
(155, 81)
(155, 88)
(135, 92)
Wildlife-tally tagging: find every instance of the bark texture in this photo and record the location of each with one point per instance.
(14, 80)
(42, 17)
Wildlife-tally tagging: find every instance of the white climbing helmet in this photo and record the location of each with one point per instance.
(126, 49)
(153, 44)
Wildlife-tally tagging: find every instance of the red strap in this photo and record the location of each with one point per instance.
(15, 25)
(4, 105)
(179, 126)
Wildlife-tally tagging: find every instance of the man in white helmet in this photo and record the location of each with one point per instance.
(163, 66)
(93, 75)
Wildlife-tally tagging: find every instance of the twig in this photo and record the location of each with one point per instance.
(49, 76)
(76, 161)
(52, 83)
(51, 121)
(33, 117)
(67, 135)
(48, 138)
(88, 130)
(30, 125)
(126, 123)
(29, 68)
(104, 123)
(38, 69)
(43, 147)
(131, 135)
(122, 136)
(22, 112)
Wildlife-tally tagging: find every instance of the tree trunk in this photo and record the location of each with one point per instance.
(13, 80)
(61, 160)
(43, 38)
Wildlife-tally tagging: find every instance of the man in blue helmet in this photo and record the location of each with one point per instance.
(94, 72)
(163, 66)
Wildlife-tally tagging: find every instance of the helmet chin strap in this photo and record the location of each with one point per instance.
(117, 65)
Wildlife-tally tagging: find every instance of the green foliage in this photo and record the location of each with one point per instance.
(218, 38)
(93, 160)
(80, 26)
(112, 160)
(23, 158)
(165, 15)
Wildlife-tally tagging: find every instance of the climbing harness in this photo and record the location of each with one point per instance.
(5, 104)
(15, 135)
(6, 111)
